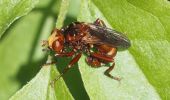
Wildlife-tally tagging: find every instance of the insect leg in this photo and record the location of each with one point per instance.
(72, 62)
(107, 72)
(94, 59)
(94, 62)
(102, 57)
(107, 59)
(99, 22)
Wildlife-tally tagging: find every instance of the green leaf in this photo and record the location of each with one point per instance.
(145, 67)
(39, 90)
(20, 52)
(39, 87)
(23, 59)
(12, 10)
(63, 12)
(36, 88)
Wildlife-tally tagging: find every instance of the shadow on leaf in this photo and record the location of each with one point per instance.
(73, 79)
(30, 69)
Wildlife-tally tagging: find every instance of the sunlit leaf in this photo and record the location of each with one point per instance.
(26, 58)
(145, 68)
(12, 10)
(39, 88)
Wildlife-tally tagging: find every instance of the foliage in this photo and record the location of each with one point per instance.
(144, 67)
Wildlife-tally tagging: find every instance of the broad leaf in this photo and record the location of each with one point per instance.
(24, 58)
(36, 88)
(12, 10)
(39, 88)
(145, 68)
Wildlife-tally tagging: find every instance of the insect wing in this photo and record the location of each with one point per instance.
(109, 36)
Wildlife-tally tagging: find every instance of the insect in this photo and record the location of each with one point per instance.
(95, 39)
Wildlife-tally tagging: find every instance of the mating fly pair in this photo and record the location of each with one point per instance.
(94, 39)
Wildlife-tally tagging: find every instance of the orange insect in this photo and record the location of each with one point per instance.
(95, 39)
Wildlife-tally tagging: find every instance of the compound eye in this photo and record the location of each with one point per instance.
(57, 46)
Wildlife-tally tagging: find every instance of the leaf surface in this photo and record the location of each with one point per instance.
(26, 57)
(145, 67)
(12, 10)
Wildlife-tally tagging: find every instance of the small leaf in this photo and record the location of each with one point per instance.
(12, 10)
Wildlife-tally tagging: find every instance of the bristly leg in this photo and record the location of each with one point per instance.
(70, 65)
(107, 73)
(106, 59)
